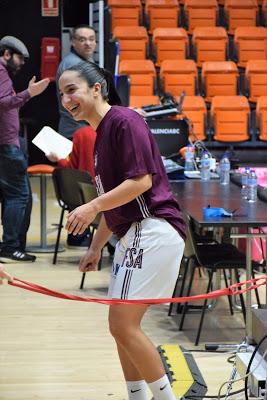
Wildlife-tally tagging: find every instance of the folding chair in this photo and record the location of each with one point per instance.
(88, 193)
(133, 42)
(256, 79)
(170, 44)
(219, 78)
(250, 43)
(200, 13)
(230, 118)
(178, 76)
(66, 184)
(209, 44)
(213, 258)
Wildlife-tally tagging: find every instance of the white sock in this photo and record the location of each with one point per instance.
(162, 389)
(137, 390)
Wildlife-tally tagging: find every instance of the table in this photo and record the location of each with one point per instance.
(193, 195)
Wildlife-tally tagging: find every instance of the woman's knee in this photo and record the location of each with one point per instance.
(122, 330)
(117, 327)
(124, 321)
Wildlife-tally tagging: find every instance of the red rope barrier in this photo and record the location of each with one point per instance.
(232, 290)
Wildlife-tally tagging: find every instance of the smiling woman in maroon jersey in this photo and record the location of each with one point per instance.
(137, 205)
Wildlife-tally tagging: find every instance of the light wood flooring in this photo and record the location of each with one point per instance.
(53, 349)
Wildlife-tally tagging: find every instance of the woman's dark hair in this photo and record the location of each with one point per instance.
(92, 74)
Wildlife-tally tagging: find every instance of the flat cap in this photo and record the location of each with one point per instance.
(15, 44)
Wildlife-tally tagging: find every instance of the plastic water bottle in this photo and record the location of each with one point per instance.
(189, 158)
(224, 170)
(244, 183)
(205, 167)
(252, 186)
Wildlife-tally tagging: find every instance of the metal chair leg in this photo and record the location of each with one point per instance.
(185, 306)
(58, 235)
(203, 310)
(228, 297)
(179, 307)
(241, 296)
(173, 295)
(92, 230)
(82, 280)
(256, 292)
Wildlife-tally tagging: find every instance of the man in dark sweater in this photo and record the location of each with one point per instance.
(14, 186)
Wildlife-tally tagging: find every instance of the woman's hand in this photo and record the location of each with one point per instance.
(52, 157)
(90, 260)
(79, 219)
(4, 275)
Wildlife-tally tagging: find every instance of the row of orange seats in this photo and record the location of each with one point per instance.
(208, 44)
(229, 119)
(165, 13)
(218, 78)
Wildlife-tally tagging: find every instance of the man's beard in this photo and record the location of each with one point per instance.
(12, 67)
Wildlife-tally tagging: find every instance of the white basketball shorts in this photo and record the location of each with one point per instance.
(146, 261)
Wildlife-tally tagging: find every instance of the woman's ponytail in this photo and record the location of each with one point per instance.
(92, 74)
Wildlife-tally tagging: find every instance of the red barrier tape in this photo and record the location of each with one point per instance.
(232, 290)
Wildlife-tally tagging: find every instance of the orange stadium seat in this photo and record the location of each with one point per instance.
(250, 44)
(230, 118)
(256, 79)
(264, 11)
(141, 101)
(209, 44)
(133, 42)
(142, 81)
(178, 76)
(124, 12)
(194, 108)
(240, 13)
(261, 117)
(162, 13)
(170, 44)
(219, 78)
(200, 13)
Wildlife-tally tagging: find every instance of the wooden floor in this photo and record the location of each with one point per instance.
(53, 349)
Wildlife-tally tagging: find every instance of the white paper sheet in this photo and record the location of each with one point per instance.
(49, 141)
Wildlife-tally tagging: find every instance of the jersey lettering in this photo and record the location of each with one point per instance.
(133, 259)
(115, 268)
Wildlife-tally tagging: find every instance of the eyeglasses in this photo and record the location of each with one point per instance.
(82, 39)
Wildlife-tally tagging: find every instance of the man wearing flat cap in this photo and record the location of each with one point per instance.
(14, 186)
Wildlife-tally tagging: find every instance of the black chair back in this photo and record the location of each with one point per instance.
(68, 193)
(66, 183)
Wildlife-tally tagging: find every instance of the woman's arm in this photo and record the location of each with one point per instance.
(91, 258)
(81, 217)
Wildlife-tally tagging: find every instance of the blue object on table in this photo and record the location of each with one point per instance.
(215, 212)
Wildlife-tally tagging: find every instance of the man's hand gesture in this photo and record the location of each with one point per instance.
(36, 88)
